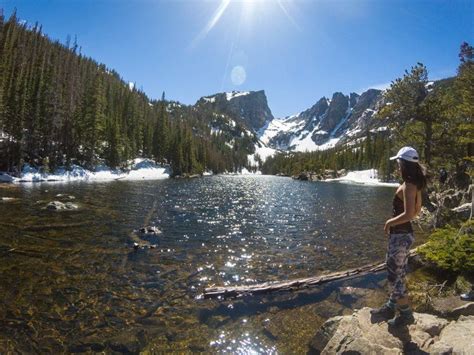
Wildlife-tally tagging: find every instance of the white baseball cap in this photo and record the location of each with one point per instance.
(408, 154)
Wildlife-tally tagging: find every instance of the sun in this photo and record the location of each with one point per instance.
(251, 10)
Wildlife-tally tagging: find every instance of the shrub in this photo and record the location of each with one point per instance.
(451, 249)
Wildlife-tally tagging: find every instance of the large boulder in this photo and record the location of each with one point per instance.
(456, 338)
(362, 333)
(452, 307)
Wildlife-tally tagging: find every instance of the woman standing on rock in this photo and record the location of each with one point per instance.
(406, 205)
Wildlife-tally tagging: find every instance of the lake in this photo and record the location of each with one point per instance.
(71, 281)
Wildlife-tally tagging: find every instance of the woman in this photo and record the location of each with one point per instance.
(406, 205)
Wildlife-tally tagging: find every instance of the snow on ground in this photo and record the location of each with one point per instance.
(4, 136)
(215, 130)
(379, 129)
(353, 132)
(246, 172)
(263, 152)
(140, 169)
(365, 177)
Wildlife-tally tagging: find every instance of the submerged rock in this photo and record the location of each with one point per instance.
(145, 237)
(354, 291)
(70, 197)
(362, 333)
(57, 205)
(126, 343)
(149, 230)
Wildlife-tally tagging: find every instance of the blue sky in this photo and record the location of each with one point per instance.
(296, 50)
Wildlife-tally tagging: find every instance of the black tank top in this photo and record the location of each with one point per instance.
(398, 209)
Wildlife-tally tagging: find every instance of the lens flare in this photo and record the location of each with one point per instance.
(238, 75)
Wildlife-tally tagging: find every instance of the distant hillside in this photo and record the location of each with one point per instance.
(58, 108)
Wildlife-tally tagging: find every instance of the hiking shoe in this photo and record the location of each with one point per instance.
(467, 296)
(404, 318)
(385, 312)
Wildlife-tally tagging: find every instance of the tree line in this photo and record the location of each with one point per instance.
(373, 152)
(435, 118)
(59, 108)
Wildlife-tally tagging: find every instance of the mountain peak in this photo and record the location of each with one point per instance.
(250, 106)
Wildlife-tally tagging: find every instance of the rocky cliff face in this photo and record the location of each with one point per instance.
(338, 109)
(251, 107)
(327, 123)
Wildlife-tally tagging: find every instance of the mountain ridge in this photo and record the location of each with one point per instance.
(322, 126)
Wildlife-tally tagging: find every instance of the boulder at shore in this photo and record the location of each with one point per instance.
(364, 334)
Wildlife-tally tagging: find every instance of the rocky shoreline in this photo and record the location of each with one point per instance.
(368, 177)
(324, 175)
(362, 333)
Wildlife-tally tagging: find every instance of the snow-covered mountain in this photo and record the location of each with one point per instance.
(242, 119)
(329, 122)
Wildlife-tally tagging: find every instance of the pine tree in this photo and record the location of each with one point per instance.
(94, 120)
(161, 132)
(464, 85)
(407, 108)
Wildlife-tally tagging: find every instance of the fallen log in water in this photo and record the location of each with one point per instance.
(296, 284)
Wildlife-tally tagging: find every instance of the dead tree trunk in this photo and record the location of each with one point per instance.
(296, 284)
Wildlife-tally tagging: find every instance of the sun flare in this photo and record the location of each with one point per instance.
(251, 10)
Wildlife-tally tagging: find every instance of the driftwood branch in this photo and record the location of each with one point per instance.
(296, 284)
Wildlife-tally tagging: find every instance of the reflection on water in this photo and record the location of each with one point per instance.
(71, 281)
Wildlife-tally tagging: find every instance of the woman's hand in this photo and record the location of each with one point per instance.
(387, 226)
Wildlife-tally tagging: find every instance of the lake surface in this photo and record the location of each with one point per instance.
(71, 281)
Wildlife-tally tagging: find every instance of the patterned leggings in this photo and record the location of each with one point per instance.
(397, 259)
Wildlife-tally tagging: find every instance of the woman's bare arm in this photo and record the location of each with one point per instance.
(418, 202)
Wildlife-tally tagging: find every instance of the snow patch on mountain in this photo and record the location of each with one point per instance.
(209, 99)
(307, 144)
(232, 95)
(277, 126)
(341, 122)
